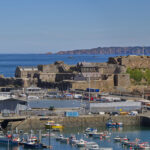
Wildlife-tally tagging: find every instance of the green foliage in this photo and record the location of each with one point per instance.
(147, 75)
(135, 74)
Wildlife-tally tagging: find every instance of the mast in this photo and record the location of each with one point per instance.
(89, 89)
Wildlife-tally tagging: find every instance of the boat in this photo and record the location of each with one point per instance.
(142, 146)
(106, 148)
(94, 147)
(59, 137)
(16, 141)
(5, 139)
(54, 126)
(47, 135)
(120, 139)
(96, 134)
(73, 140)
(32, 97)
(57, 127)
(81, 143)
(33, 144)
(90, 130)
(111, 124)
(64, 140)
(91, 144)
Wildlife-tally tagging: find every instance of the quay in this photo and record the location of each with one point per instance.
(38, 122)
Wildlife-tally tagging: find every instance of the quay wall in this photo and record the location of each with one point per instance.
(82, 121)
(145, 121)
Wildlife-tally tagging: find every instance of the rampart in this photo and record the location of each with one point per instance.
(131, 61)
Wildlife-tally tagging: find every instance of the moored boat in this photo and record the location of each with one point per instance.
(111, 124)
(90, 130)
(59, 137)
(81, 143)
(64, 140)
(54, 126)
(94, 147)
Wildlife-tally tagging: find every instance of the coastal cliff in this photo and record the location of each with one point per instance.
(110, 50)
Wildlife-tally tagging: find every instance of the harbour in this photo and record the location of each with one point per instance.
(112, 114)
(74, 75)
(130, 132)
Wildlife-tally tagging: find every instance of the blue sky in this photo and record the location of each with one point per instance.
(39, 26)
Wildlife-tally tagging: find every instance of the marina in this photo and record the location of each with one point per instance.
(76, 139)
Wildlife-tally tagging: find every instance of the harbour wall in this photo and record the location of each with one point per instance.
(145, 121)
(82, 121)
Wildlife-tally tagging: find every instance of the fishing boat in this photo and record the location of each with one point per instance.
(54, 126)
(33, 144)
(5, 139)
(111, 124)
(16, 141)
(57, 127)
(49, 124)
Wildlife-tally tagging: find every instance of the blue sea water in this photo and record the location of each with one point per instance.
(9, 62)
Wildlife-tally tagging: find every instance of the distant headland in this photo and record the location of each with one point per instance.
(138, 50)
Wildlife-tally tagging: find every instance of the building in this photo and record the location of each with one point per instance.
(26, 72)
(12, 106)
(127, 106)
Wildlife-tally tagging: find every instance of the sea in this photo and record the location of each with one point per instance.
(131, 132)
(8, 64)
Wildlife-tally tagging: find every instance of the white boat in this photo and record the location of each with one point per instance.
(59, 137)
(106, 148)
(73, 140)
(90, 130)
(33, 97)
(120, 139)
(117, 139)
(97, 134)
(47, 135)
(94, 147)
(81, 143)
(64, 140)
(94, 132)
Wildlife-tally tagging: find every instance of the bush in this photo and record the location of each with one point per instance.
(135, 74)
(147, 75)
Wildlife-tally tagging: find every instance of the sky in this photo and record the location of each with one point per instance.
(39, 26)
